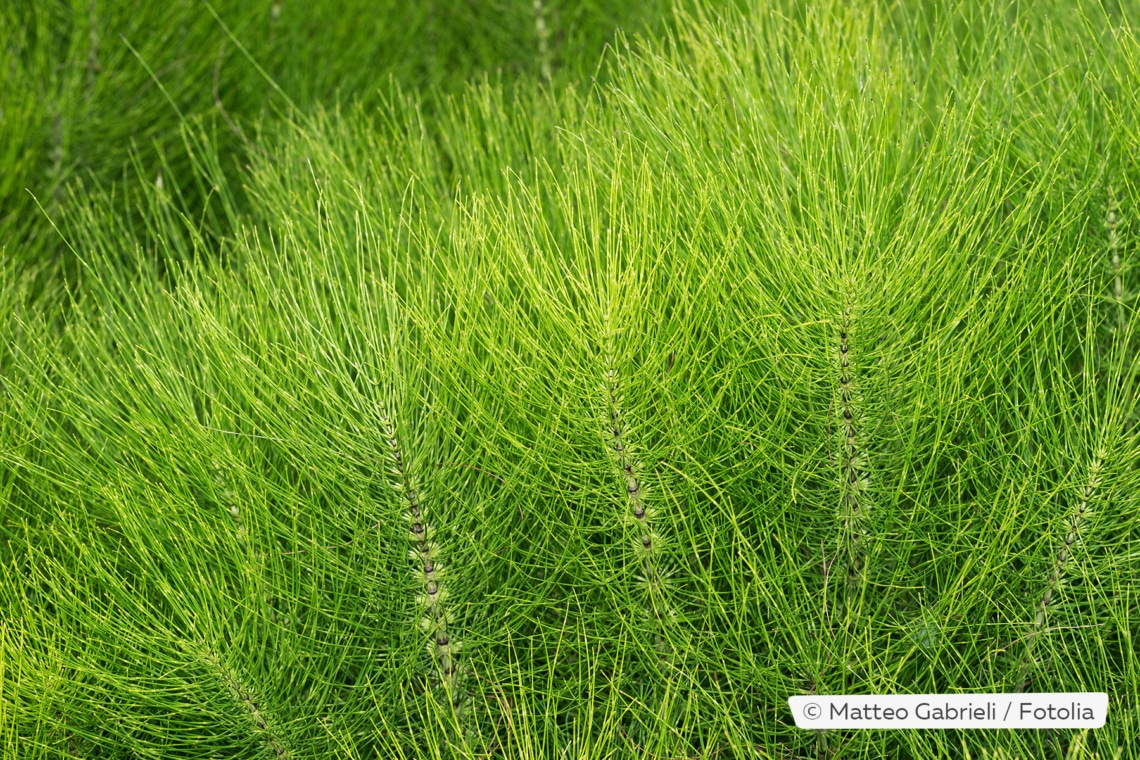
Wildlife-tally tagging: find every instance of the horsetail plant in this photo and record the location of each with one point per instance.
(1112, 224)
(629, 471)
(262, 722)
(1117, 243)
(1071, 532)
(543, 33)
(1109, 399)
(852, 459)
(432, 596)
(647, 543)
(228, 499)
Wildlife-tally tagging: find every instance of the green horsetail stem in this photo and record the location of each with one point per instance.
(852, 461)
(432, 596)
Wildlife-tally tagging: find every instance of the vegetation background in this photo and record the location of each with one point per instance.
(559, 379)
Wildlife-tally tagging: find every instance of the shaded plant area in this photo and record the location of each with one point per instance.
(796, 354)
(93, 92)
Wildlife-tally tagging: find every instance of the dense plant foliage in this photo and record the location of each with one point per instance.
(797, 354)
